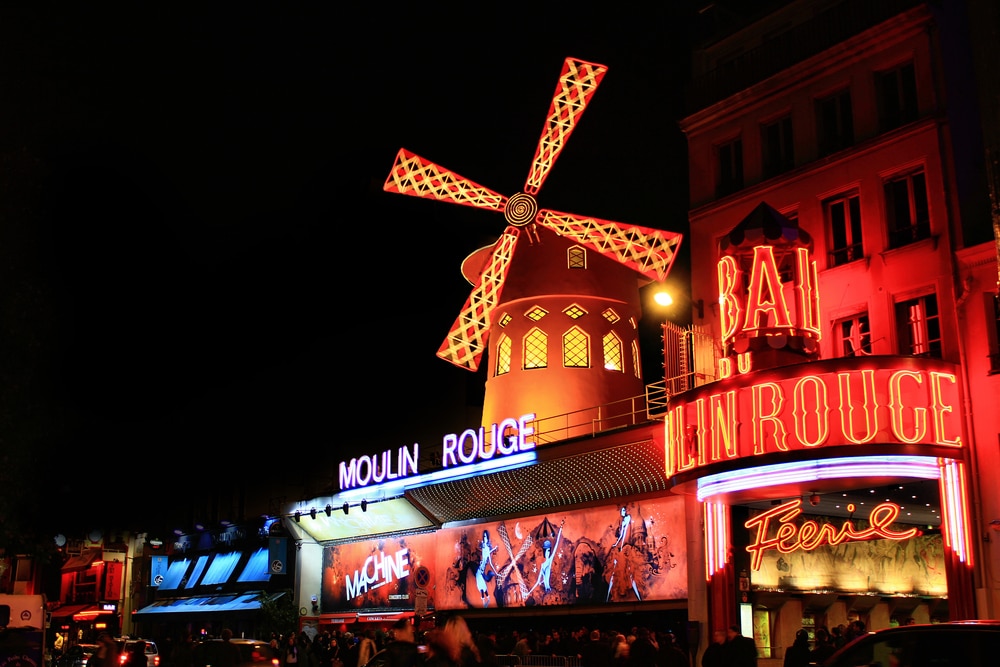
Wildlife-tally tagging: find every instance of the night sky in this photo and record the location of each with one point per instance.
(201, 275)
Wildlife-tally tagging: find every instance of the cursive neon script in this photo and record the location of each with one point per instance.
(790, 537)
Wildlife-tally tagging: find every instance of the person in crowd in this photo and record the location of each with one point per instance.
(740, 651)
(715, 653)
(183, 653)
(486, 642)
(642, 652)
(619, 650)
(106, 654)
(823, 647)
(135, 655)
(522, 648)
(671, 653)
(461, 637)
(290, 653)
(402, 649)
(596, 651)
(349, 650)
(366, 648)
(797, 655)
(229, 655)
(441, 649)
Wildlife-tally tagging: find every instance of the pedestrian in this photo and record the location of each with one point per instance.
(797, 655)
(229, 655)
(441, 649)
(366, 648)
(823, 647)
(290, 653)
(461, 637)
(671, 654)
(740, 651)
(643, 652)
(183, 653)
(402, 650)
(106, 654)
(715, 653)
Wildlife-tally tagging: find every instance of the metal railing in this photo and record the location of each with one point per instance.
(538, 661)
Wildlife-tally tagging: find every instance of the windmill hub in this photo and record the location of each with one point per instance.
(521, 209)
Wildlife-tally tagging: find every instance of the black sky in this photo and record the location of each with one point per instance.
(202, 276)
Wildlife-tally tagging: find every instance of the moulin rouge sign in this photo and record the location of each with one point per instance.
(870, 402)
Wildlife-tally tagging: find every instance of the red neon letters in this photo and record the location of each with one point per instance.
(790, 537)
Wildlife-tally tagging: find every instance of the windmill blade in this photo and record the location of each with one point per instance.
(577, 84)
(649, 251)
(466, 340)
(413, 175)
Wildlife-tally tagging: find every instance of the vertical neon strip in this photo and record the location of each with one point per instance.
(955, 509)
(716, 537)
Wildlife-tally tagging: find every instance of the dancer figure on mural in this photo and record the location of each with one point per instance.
(545, 570)
(486, 549)
(620, 558)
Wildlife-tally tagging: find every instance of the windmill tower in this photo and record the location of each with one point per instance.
(556, 298)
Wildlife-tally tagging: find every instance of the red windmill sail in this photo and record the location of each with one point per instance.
(648, 251)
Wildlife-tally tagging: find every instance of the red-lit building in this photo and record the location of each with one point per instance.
(823, 453)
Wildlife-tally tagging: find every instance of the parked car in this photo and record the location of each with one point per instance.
(76, 655)
(953, 644)
(127, 647)
(380, 659)
(253, 653)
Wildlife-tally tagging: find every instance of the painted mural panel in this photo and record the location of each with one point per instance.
(622, 553)
(387, 573)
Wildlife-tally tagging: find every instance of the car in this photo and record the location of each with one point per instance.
(950, 644)
(253, 653)
(380, 659)
(128, 646)
(76, 655)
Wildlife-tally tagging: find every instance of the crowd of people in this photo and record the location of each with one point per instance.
(454, 644)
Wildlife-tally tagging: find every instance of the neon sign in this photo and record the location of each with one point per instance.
(902, 401)
(807, 536)
(505, 439)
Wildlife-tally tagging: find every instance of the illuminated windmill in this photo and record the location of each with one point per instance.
(566, 303)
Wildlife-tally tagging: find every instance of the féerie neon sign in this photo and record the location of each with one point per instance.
(810, 534)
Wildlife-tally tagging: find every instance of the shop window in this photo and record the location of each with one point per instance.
(993, 308)
(777, 146)
(535, 349)
(576, 353)
(843, 219)
(918, 327)
(854, 336)
(613, 352)
(730, 169)
(834, 122)
(576, 258)
(897, 97)
(504, 349)
(906, 210)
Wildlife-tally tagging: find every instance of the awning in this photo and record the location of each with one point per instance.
(384, 617)
(81, 562)
(222, 602)
(68, 610)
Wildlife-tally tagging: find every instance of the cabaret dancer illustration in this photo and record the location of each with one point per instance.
(486, 549)
(545, 569)
(623, 535)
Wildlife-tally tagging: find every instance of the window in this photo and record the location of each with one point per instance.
(613, 352)
(576, 352)
(906, 211)
(993, 332)
(834, 123)
(730, 167)
(535, 353)
(843, 217)
(635, 359)
(854, 336)
(918, 327)
(576, 257)
(897, 97)
(504, 349)
(776, 143)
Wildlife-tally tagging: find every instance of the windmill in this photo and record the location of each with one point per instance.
(551, 236)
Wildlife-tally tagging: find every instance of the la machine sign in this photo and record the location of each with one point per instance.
(865, 402)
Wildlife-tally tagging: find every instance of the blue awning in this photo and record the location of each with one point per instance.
(223, 602)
